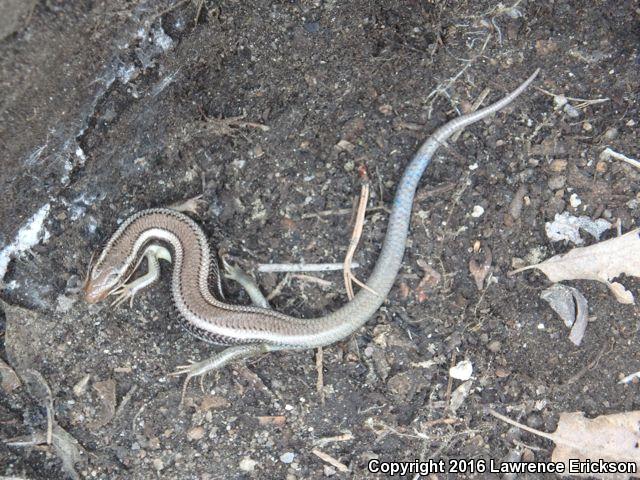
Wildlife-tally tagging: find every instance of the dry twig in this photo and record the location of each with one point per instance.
(355, 239)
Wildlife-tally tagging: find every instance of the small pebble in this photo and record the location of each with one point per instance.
(559, 101)
(462, 371)
(574, 200)
(329, 471)
(196, 433)
(80, 388)
(611, 133)
(587, 127)
(478, 211)
(558, 165)
(158, 464)
(557, 182)
(571, 111)
(247, 464)
(287, 457)
(385, 109)
(494, 346)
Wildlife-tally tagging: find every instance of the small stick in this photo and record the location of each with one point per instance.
(310, 278)
(125, 401)
(302, 267)
(355, 239)
(447, 397)
(276, 291)
(590, 365)
(199, 9)
(345, 437)
(438, 421)
(320, 380)
(342, 211)
(330, 460)
(585, 101)
(608, 153)
(526, 428)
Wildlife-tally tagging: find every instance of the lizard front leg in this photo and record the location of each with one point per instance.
(153, 254)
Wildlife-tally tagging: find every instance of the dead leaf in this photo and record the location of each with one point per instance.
(602, 262)
(459, 395)
(106, 391)
(480, 271)
(610, 438)
(429, 281)
(431, 276)
(9, 379)
(571, 307)
(65, 446)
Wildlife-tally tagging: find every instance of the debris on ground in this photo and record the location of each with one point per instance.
(462, 370)
(602, 262)
(480, 270)
(567, 227)
(608, 438)
(571, 307)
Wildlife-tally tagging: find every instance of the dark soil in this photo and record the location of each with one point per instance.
(111, 107)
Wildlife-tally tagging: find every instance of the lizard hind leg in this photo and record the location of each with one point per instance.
(246, 282)
(219, 360)
(230, 354)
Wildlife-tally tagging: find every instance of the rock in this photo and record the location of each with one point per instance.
(247, 464)
(611, 133)
(287, 457)
(400, 385)
(558, 165)
(196, 433)
(557, 182)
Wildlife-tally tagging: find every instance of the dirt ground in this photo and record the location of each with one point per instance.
(114, 106)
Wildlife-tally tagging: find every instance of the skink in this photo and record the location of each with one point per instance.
(251, 330)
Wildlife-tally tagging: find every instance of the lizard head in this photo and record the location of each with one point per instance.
(106, 275)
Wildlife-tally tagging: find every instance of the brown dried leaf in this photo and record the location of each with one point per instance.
(602, 262)
(613, 438)
(480, 271)
(106, 391)
(431, 276)
(429, 281)
(610, 438)
(9, 378)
